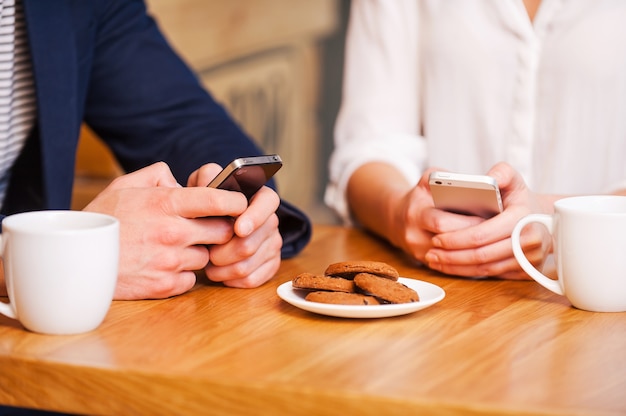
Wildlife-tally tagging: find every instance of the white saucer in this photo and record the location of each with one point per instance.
(429, 294)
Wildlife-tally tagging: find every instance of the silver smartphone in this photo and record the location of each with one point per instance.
(247, 174)
(466, 194)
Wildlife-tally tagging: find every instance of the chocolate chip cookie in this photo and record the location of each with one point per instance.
(310, 281)
(341, 298)
(384, 289)
(349, 269)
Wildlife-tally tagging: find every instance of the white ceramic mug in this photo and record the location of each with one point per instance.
(589, 234)
(60, 269)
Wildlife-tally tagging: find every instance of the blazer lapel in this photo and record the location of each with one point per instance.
(51, 39)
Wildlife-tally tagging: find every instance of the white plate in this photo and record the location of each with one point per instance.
(429, 294)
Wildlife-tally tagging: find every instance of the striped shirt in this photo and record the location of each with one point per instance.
(17, 89)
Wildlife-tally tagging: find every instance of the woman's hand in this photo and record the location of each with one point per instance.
(484, 248)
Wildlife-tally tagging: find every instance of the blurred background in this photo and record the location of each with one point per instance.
(275, 64)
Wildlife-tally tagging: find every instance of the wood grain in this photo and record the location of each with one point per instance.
(490, 347)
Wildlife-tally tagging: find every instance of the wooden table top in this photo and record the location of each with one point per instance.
(489, 347)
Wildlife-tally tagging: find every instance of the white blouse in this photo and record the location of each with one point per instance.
(463, 84)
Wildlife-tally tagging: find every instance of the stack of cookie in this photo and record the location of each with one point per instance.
(355, 283)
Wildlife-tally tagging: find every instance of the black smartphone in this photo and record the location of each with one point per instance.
(247, 174)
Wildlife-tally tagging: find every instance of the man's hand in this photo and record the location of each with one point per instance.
(165, 229)
(252, 256)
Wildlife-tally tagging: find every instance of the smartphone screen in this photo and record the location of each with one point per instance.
(248, 174)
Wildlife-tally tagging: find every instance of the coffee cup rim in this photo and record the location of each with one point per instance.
(21, 221)
(590, 203)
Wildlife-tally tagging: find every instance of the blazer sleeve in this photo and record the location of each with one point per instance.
(149, 106)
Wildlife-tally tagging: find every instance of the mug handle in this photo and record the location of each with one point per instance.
(6, 308)
(542, 279)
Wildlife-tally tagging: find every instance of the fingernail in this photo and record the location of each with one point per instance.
(436, 242)
(431, 258)
(245, 228)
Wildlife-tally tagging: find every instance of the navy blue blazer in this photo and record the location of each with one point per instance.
(106, 63)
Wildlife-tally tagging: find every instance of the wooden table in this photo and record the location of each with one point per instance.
(489, 347)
